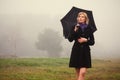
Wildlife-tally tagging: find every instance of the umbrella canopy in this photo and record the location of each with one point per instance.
(69, 20)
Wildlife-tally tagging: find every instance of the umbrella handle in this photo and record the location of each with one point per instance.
(77, 24)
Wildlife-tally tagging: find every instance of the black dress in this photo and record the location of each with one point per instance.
(80, 54)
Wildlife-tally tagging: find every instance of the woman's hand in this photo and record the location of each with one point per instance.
(76, 27)
(82, 40)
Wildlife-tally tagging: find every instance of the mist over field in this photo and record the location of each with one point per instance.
(32, 28)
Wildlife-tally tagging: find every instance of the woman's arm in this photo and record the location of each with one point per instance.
(73, 34)
(91, 40)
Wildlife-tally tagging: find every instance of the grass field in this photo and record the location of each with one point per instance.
(54, 69)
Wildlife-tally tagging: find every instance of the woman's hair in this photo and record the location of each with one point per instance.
(86, 17)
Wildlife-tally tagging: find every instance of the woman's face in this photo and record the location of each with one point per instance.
(81, 18)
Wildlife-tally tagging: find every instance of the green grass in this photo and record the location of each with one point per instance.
(54, 69)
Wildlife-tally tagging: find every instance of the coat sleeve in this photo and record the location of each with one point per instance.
(73, 35)
(91, 40)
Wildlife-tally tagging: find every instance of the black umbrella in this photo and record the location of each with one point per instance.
(69, 20)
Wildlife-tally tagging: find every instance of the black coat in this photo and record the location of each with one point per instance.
(80, 54)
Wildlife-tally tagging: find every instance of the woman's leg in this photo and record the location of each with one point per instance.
(77, 72)
(81, 74)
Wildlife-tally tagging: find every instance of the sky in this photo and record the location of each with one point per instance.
(21, 22)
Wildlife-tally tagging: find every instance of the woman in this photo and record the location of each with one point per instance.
(80, 56)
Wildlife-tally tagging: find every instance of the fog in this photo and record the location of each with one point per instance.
(32, 28)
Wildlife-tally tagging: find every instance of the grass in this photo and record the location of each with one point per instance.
(54, 69)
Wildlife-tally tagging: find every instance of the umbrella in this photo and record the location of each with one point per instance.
(69, 20)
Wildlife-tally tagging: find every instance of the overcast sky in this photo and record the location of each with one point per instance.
(28, 18)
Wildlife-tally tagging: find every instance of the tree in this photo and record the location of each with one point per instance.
(50, 41)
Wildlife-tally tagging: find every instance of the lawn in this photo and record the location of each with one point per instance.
(55, 69)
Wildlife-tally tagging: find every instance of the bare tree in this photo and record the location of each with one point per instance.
(50, 41)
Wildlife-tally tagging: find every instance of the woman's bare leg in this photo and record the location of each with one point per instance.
(82, 72)
(77, 72)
